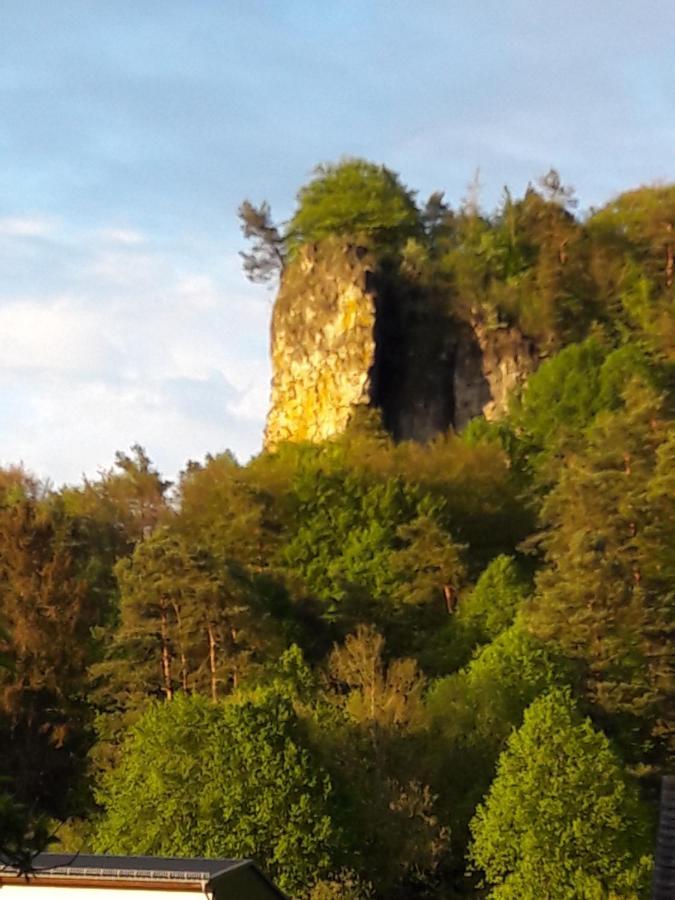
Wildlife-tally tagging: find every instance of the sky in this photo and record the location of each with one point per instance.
(131, 130)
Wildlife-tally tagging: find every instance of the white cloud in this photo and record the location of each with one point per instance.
(125, 236)
(59, 334)
(26, 226)
(137, 348)
(74, 427)
(253, 402)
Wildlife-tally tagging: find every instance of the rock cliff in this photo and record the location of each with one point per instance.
(347, 333)
(323, 343)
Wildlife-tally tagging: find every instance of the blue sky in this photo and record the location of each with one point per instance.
(131, 131)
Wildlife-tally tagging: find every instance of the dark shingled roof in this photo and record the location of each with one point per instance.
(162, 868)
(195, 870)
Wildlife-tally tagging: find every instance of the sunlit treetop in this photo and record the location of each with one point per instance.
(354, 197)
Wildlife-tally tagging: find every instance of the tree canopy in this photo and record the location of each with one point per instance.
(354, 197)
(560, 819)
(232, 779)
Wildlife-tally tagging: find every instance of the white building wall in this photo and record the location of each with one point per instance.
(31, 891)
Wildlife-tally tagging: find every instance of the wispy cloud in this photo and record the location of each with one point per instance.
(126, 236)
(27, 226)
(137, 348)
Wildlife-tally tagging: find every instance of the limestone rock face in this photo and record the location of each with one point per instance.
(508, 357)
(345, 334)
(323, 343)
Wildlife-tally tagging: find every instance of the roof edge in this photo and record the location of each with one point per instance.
(246, 864)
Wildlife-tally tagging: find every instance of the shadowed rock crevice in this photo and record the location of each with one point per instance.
(347, 332)
(416, 350)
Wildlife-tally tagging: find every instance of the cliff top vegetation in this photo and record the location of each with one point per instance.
(534, 262)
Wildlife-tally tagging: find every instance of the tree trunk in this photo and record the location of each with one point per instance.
(166, 653)
(669, 257)
(451, 599)
(212, 661)
(181, 649)
(235, 671)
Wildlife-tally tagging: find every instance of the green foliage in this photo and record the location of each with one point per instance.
(220, 511)
(354, 197)
(550, 417)
(372, 738)
(506, 675)
(492, 605)
(22, 835)
(482, 495)
(474, 490)
(560, 819)
(187, 622)
(634, 250)
(527, 265)
(600, 596)
(232, 779)
(128, 500)
(563, 395)
(362, 540)
(473, 712)
(566, 393)
(346, 531)
(345, 885)
(47, 612)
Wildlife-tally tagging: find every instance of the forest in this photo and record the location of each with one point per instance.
(381, 669)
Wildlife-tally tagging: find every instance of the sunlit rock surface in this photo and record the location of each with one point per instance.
(346, 334)
(323, 343)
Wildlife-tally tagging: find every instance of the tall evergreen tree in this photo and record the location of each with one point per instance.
(47, 610)
(599, 595)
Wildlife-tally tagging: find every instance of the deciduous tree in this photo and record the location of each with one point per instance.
(560, 820)
(233, 779)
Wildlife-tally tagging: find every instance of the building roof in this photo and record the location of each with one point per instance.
(148, 870)
(152, 867)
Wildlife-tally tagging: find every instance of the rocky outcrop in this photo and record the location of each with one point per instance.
(347, 334)
(323, 343)
(507, 357)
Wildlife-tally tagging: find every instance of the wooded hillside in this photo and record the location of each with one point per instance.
(382, 669)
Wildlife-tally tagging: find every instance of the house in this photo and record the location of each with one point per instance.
(59, 876)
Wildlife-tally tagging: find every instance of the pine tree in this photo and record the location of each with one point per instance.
(47, 611)
(187, 622)
(598, 595)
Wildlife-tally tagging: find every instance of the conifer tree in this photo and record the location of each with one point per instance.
(47, 612)
(187, 622)
(599, 594)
